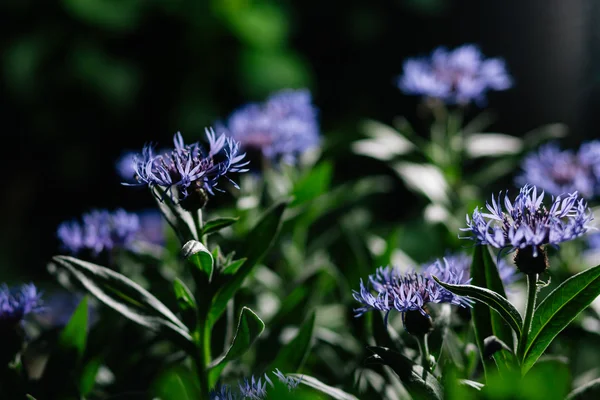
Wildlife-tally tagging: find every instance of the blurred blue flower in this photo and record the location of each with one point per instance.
(410, 291)
(254, 389)
(559, 172)
(125, 167)
(16, 303)
(189, 168)
(456, 76)
(462, 262)
(527, 223)
(281, 128)
(152, 226)
(99, 230)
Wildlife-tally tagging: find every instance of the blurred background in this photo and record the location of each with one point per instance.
(82, 81)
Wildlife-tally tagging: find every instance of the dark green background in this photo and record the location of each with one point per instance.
(84, 80)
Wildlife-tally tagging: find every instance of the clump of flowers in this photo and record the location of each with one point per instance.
(189, 173)
(281, 128)
(564, 171)
(390, 289)
(99, 231)
(252, 388)
(457, 76)
(527, 225)
(16, 303)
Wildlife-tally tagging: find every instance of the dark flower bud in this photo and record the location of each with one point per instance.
(531, 260)
(416, 323)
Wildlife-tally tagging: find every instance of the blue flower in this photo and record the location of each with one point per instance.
(254, 389)
(462, 262)
(558, 172)
(527, 223)
(457, 76)
(152, 226)
(281, 128)
(99, 230)
(125, 167)
(189, 168)
(410, 291)
(16, 303)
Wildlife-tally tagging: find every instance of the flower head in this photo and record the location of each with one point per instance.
(558, 172)
(410, 291)
(281, 128)
(526, 223)
(98, 231)
(189, 169)
(16, 303)
(252, 388)
(462, 262)
(458, 76)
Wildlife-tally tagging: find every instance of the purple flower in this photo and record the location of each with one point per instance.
(125, 166)
(222, 392)
(291, 382)
(462, 262)
(254, 389)
(98, 231)
(457, 76)
(527, 223)
(189, 168)
(152, 226)
(558, 172)
(281, 128)
(410, 291)
(16, 303)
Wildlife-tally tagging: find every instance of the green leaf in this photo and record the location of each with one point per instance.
(200, 258)
(558, 309)
(590, 390)
(233, 267)
(74, 334)
(61, 374)
(186, 303)
(313, 184)
(88, 375)
(125, 296)
(492, 299)
(291, 357)
(418, 383)
(258, 241)
(484, 273)
(249, 328)
(180, 220)
(314, 383)
(176, 383)
(215, 225)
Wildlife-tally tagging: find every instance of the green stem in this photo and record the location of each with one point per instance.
(531, 298)
(197, 217)
(424, 350)
(203, 358)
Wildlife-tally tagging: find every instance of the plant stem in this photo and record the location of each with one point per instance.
(203, 358)
(197, 217)
(424, 350)
(531, 298)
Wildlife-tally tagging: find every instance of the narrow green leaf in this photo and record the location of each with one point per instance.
(62, 372)
(291, 357)
(313, 184)
(124, 296)
(87, 381)
(258, 241)
(186, 303)
(492, 299)
(74, 334)
(233, 267)
(249, 328)
(200, 257)
(215, 225)
(418, 383)
(557, 311)
(180, 220)
(316, 384)
(176, 383)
